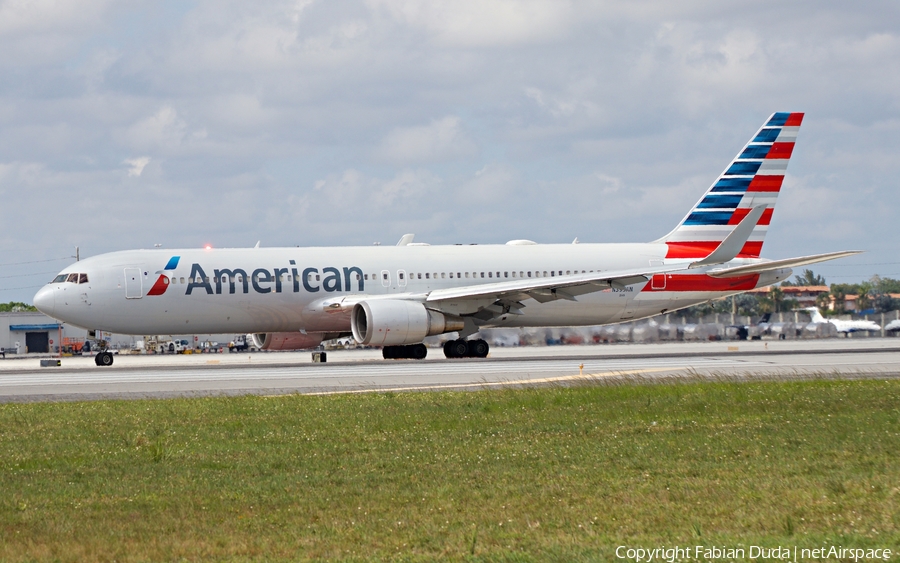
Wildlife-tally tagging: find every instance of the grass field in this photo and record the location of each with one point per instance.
(512, 475)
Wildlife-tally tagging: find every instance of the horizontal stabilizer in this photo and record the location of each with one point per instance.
(778, 264)
(734, 242)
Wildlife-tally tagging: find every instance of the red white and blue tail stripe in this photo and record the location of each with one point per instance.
(753, 178)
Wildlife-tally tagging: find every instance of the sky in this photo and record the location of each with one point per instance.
(313, 123)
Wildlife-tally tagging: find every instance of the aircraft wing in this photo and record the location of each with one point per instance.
(558, 287)
(778, 264)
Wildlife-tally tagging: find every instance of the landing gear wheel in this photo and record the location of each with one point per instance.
(477, 349)
(461, 349)
(103, 359)
(413, 351)
(418, 351)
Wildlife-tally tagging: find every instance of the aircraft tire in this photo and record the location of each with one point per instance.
(477, 349)
(104, 359)
(448, 349)
(418, 351)
(412, 352)
(456, 348)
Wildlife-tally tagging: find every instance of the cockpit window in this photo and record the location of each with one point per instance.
(71, 278)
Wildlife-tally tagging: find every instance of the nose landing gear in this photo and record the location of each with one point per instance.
(104, 359)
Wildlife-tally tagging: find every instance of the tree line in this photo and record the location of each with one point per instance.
(873, 294)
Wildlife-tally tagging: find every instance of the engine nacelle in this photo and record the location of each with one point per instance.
(391, 322)
(287, 340)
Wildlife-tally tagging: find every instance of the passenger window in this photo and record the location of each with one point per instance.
(490, 274)
(552, 274)
(529, 274)
(458, 275)
(521, 274)
(467, 274)
(427, 276)
(451, 275)
(420, 275)
(443, 275)
(357, 277)
(482, 274)
(366, 277)
(505, 274)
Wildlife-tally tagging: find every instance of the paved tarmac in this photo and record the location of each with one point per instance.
(353, 371)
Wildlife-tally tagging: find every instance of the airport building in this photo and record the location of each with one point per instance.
(25, 332)
(35, 333)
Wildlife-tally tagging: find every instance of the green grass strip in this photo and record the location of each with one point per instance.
(552, 474)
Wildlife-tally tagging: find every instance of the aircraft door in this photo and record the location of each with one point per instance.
(133, 284)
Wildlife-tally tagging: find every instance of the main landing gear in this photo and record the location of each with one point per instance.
(413, 351)
(452, 349)
(466, 348)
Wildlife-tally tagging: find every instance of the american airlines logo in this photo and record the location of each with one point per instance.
(162, 282)
(277, 280)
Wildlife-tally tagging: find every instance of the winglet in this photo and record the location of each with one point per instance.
(729, 248)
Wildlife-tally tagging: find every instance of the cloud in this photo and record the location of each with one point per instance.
(21, 17)
(477, 23)
(136, 165)
(313, 122)
(442, 139)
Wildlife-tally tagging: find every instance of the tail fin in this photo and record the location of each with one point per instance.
(753, 178)
(816, 315)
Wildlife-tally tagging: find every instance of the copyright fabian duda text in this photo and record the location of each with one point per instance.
(723, 553)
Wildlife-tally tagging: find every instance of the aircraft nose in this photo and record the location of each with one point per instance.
(45, 300)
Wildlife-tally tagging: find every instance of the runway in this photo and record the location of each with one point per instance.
(354, 371)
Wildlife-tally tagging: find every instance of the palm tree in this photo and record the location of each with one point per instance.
(777, 297)
(839, 296)
(864, 300)
(823, 300)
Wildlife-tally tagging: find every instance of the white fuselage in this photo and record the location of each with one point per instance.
(313, 289)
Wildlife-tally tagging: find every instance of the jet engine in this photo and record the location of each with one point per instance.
(392, 322)
(287, 340)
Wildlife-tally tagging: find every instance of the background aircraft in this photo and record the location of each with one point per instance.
(842, 325)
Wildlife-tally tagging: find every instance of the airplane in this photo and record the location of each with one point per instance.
(396, 296)
(842, 326)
